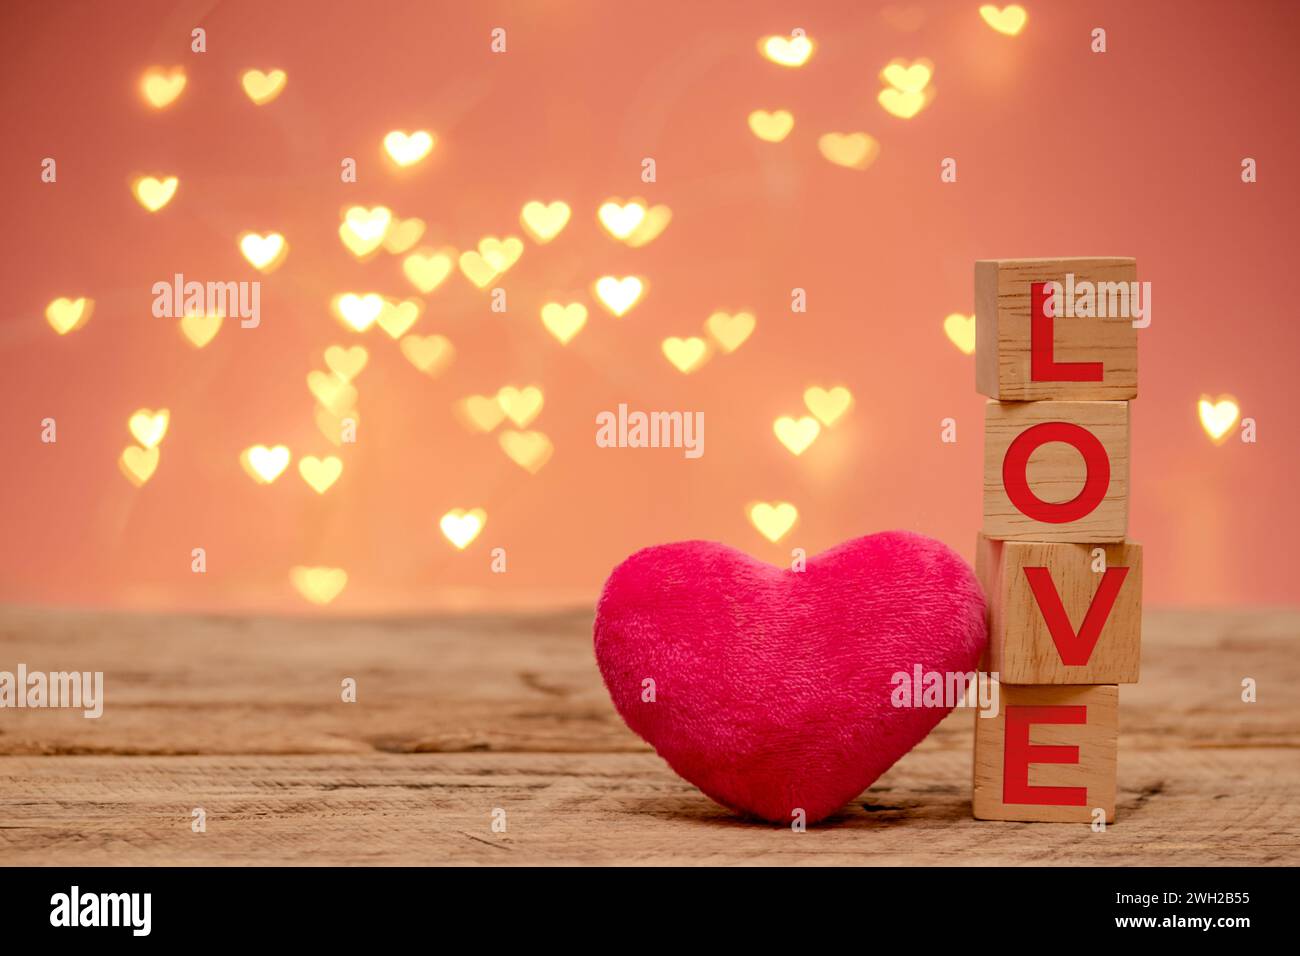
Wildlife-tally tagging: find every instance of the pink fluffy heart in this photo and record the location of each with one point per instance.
(772, 688)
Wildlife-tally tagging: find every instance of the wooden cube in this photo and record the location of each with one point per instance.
(1056, 357)
(1056, 471)
(1055, 617)
(1048, 755)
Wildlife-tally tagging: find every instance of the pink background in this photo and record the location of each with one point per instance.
(1060, 152)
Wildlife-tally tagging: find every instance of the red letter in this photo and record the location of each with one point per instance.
(1019, 754)
(1043, 366)
(1075, 649)
(1015, 478)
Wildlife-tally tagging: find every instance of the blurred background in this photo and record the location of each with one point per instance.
(1060, 151)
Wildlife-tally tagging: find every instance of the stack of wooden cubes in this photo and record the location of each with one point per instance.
(1064, 586)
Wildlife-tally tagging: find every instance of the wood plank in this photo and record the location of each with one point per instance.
(1231, 807)
(527, 683)
(459, 715)
(189, 685)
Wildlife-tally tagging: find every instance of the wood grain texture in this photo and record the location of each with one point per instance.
(221, 685)
(1089, 771)
(1231, 807)
(457, 716)
(1021, 647)
(1056, 471)
(1002, 326)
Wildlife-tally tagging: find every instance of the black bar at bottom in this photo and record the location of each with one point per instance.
(566, 905)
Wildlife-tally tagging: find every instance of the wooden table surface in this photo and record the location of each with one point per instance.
(459, 716)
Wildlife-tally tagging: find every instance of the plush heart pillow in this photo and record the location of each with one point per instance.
(772, 688)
